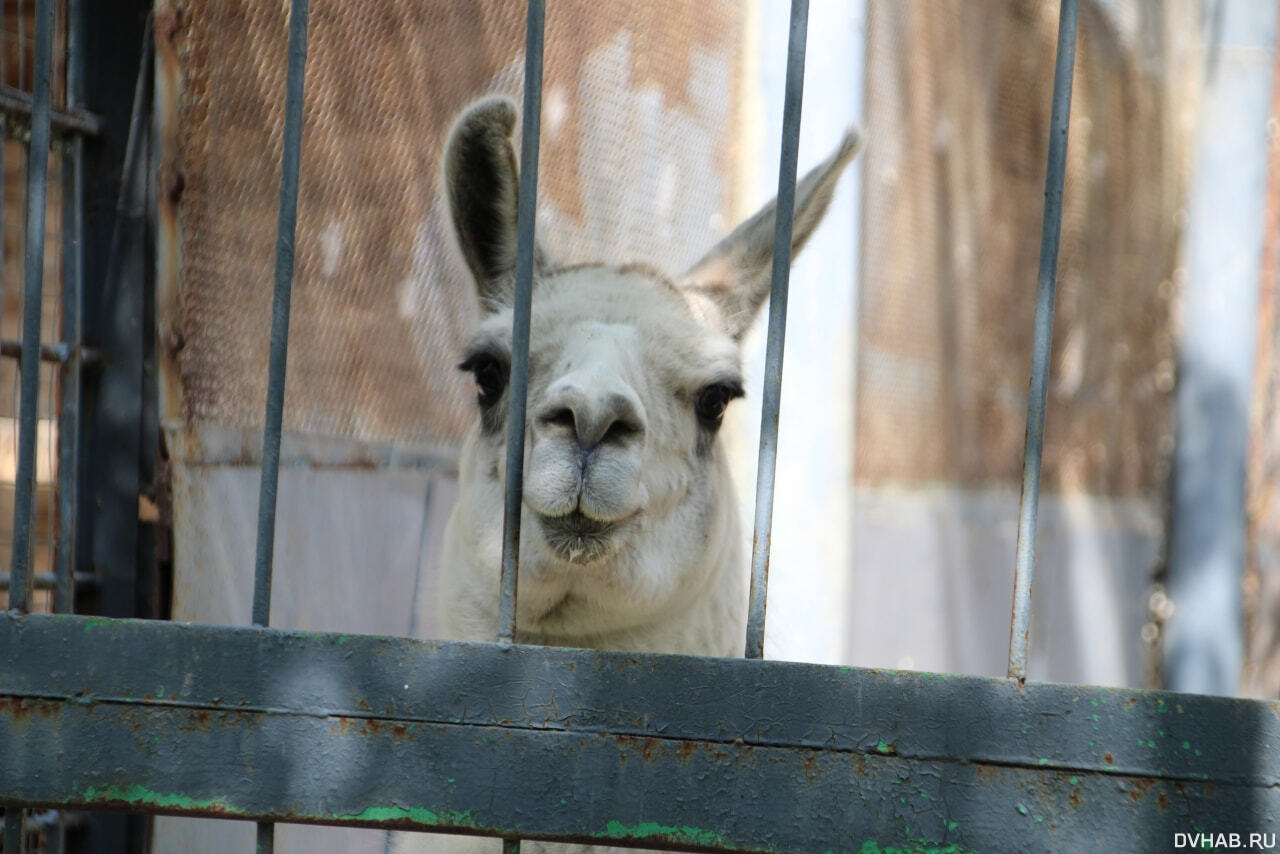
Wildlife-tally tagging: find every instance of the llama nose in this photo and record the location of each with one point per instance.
(612, 417)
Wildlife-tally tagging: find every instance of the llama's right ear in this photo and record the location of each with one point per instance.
(482, 182)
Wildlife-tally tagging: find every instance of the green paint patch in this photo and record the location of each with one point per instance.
(1042, 761)
(952, 825)
(141, 795)
(91, 623)
(1094, 718)
(885, 748)
(1074, 780)
(648, 829)
(1186, 745)
(418, 815)
(871, 846)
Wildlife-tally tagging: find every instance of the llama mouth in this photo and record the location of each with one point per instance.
(576, 537)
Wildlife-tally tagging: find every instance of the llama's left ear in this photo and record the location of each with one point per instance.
(481, 181)
(736, 273)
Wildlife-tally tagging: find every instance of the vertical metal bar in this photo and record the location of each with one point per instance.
(777, 333)
(286, 232)
(33, 288)
(285, 235)
(72, 301)
(1024, 562)
(532, 120)
(13, 829)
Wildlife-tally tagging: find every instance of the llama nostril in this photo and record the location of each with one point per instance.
(620, 431)
(562, 417)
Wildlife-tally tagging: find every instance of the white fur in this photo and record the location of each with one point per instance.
(618, 359)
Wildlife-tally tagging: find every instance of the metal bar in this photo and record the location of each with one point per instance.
(1024, 561)
(513, 740)
(73, 121)
(69, 378)
(33, 288)
(13, 829)
(285, 235)
(768, 460)
(49, 581)
(58, 354)
(526, 214)
(72, 303)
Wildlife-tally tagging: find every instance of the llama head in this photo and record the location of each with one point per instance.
(628, 514)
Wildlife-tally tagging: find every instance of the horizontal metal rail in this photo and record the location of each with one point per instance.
(58, 354)
(14, 102)
(591, 746)
(49, 581)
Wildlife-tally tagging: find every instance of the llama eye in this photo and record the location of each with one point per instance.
(712, 401)
(490, 374)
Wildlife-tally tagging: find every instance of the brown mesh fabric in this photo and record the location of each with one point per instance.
(379, 303)
(958, 106)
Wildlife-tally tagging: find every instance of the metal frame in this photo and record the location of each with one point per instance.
(679, 752)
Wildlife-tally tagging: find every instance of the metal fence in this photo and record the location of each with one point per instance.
(524, 742)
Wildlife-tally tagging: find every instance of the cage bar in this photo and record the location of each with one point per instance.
(33, 288)
(525, 216)
(1024, 560)
(72, 303)
(71, 121)
(765, 470)
(286, 234)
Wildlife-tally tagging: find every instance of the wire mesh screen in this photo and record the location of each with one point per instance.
(638, 106)
(958, 101)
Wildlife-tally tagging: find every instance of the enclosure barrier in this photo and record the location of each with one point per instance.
(527, 742)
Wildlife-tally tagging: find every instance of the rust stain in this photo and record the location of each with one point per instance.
(364, 705)
(1075, 800)
(685, 749)
(21, 708)
(1129, 703)
(1109, 758)
(648, 747)
(1162, 801)
(1140, 789)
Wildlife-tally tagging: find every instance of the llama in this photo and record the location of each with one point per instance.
(629, 537)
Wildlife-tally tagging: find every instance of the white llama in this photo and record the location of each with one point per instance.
(629, 535)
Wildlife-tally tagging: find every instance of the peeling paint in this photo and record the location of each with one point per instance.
(871, 846)
(650, 829)
(417, 815)
(140, 795)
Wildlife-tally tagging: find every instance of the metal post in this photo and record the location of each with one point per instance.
(72, 300)
(286, 233)
(777, 328)
(1024, 562)
(13, 829)
(527, 209)
(33, 287)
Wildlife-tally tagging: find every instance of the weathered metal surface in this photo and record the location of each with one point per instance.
(698, 754)
(1037, 393)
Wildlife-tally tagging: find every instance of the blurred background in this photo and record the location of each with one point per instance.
(909, 330)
